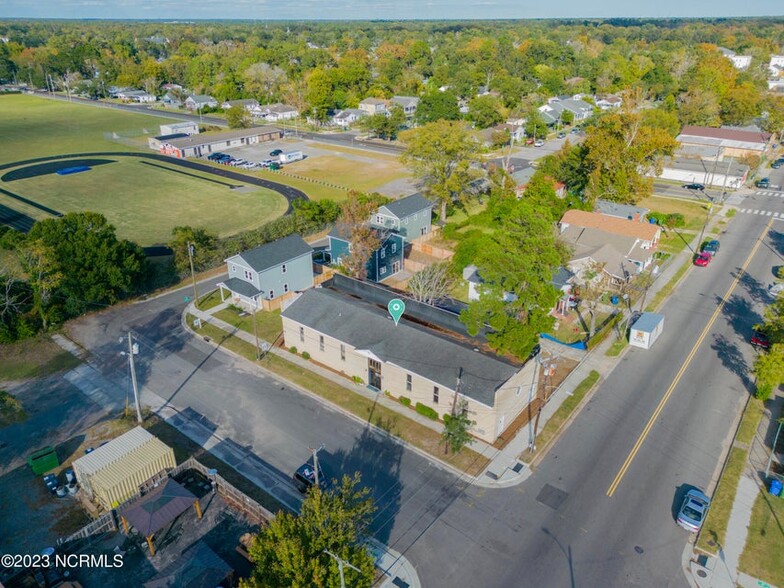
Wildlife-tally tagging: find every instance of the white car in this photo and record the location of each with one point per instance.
(539, 144)
(776, 289)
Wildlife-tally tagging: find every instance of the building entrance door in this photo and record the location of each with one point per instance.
(374, 373)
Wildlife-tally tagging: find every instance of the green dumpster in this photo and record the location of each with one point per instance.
(43, 460)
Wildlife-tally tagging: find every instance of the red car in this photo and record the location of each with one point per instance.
(702, 259)
(760, 340)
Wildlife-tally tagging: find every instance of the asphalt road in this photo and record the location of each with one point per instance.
(559, 528)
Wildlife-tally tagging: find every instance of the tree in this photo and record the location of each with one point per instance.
(15, 300)
(740, 104)
(769, 370)
(204, 247)
(535, 125)
(456, 427)
(291, 551)
(699, 107)
(385, 126)
(238, 117)
(97, 268)
(264, 79)
(485, 111)
(441, 154)
(436, 105)
(40, 264)
(319, 93)
(432, 284)
(363, 239)
(516, 263)
(621, 152)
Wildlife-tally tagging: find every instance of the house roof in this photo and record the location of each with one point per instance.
(413, 347)
(407, 205)
(348, 112)
(207, 138)
(278, 108)
(244, 102)
(732, 135)
(201, 98)
(523, 176)
(181, 125)
(153, 511)
(561, 277)
(627, 211)
(405, 100)
(197, 567)
(373, 101)
(171, 137)
(609, 224)
(271, 254)
(612, 251)
(241, 287)
(115, 450)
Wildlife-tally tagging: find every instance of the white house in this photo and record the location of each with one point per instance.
(276, 112)
(407, 103)
(248, 104)
(346, 118)
(185, 127)
(609, 102)
(373, 106)
(139, 96)
(776, 65)
(738, 61)
(556, 106)
(199, 101)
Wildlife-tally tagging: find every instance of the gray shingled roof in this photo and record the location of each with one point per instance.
(271, 254)
(410, 346)
(241, 287)
(153, 511)
(409, 205)
(626, 211)
(197, 567)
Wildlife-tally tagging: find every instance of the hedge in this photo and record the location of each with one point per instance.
(426, 411)
(405, 401)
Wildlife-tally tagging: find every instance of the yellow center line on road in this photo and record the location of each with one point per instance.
(622, 472)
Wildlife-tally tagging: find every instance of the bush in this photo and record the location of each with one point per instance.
(426, 411)
(602, 333)
(447, 418)
(671, 221)
(357, 380)
(293, 350)
(305, 355)
(763, 392)
(405, 401)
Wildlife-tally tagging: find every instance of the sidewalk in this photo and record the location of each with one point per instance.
(722, 571)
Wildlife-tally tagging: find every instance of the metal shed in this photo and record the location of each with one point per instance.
(113, 473)
(646, 330)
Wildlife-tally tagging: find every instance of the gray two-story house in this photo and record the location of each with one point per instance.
(409, 216)
(260, 277)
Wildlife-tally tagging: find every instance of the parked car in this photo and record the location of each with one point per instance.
(763, 183)
(274, 166)
(759, 339)
(529, 141)
(276, 152)
(712, 247)
(693, 510)
(561, 135)
(305, 476)
(776, 289)
(694, 186)
(777, 163)
(702, 259)
(539, 143)
(215, 156)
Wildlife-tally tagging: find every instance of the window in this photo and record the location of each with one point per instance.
(285, 288)
(435, 394)
(342, 352)
(283, 268)
(382, 271)
(383, 253)
(302, 334)
(408, 382)
(271, 294)
(394, 247)
(379, 219)
(321, 342)
(249, 275)
(233, 268)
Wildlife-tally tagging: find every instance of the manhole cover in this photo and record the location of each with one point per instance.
(638, 549)
(552, 496)
(517, 467)
(702, 573)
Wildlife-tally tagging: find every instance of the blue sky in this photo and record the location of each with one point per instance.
(381, 9)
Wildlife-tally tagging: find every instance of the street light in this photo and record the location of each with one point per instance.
(341, 563)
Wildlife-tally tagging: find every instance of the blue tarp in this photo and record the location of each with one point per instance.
(72, 170)
(579, 345)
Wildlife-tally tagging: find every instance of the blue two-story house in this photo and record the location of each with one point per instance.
(261, 277)
(409, 216)
(385, 261)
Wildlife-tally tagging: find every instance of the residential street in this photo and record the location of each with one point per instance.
(559, 527)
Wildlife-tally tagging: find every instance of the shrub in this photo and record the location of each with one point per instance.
(764, 391)
(305, 355)
(447, 418)
(405, 401)
(426, 411)
(357, 380)
(293, 350)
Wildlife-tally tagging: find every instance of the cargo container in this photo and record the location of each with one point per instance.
(113, 473)
(291, 156)
(646, 330)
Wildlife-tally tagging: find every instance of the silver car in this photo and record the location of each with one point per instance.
(693, 511)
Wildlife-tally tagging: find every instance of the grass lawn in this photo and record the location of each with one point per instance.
(714, 529)
(146, 202)
(268, 324)
(693, 211)
(33, 358)
(553, 426)
(356, 175)
(750, 421)
(36, 127)
(210, 300)
(617, 346)
(314, 190)
(422, 437)
(762, 556)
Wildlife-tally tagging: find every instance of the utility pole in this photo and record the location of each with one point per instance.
(342, 563)
(133, 377)
(193, 274)
(773, 447)
(707, 216)
(454, 404)
(315, 461)
(256, 329)
(531, 441)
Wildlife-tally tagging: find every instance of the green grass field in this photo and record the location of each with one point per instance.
(143, 202)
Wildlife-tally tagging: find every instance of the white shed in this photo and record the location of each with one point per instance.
(646, 330)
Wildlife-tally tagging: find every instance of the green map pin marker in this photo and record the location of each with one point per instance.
(396, 308)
